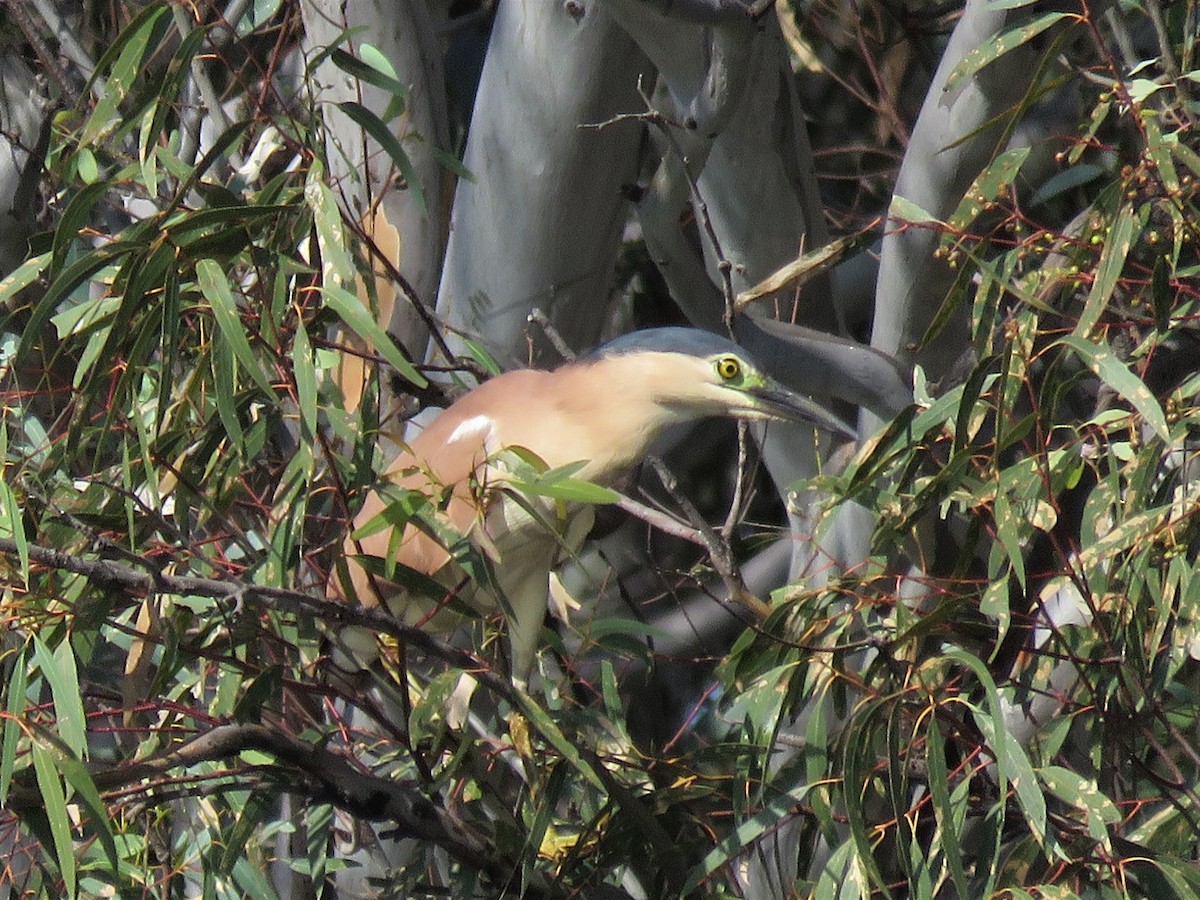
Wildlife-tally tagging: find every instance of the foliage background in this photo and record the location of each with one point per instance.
(980, 678)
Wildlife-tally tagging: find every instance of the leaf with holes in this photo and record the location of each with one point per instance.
(1114, 373)
(1119, 239)
(998, 45)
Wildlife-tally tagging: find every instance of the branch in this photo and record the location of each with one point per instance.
(664, 522)
(109, 575)
(48, 59)
(718, 550)
(808, 266)
(330, 779)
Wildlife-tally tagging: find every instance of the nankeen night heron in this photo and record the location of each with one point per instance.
(603, 411)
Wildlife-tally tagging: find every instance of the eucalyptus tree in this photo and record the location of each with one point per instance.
(245, 244)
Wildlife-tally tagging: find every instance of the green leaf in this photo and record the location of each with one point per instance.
(994, 604)
(68, 280)
(359, 319)
(906, 212)
(546, 727)
(1180, 876)
(255, 811)
(11, 519)
(77, 214)
(178, 71)
(998, 45)
(1126, 535)
(859, 760)
(1112, 261)
(142, 273)
(55, 808)
(59, 669)
(993, 181)
(85, 164)
(948, 817)
(191, 176)
(259, 14)
(83, 316)
(760, 703)
(1009, 529)
(1141, 88)
(372, 125)
(214, 285)
(1104, 363)
(12, 522)
(185, 227)
(449, 161)
(337, 265)
(777, 809)
(80, 780)
(374, 68)
(168, 343)
(400, 507)
(23, 276)
(305, 373)
(1021, 776)
(599, 629)
(430, 711)
(990, 724)
(130, 48)
(17, 685)
(479, 354)
(224, 369)
(569, 490)
(1096, 810)
(1063, 182)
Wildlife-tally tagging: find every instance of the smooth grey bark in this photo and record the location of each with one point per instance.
(402, 234)
(23, 110)
(737, 154)
(541, 223)
(25, 116)
(935, 175)
(949, 147)
(746, 148)
(952, 142)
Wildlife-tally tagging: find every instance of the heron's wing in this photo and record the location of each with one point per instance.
(523, 537)
(448, 455)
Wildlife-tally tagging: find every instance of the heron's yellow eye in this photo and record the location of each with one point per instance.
(728, 367)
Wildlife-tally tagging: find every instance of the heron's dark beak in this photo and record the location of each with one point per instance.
(773, 400)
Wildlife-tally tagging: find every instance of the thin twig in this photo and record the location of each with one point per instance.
(423, 310)
(542, 321)
(334, 614)
(737, 502)
(328, 777)
(663, 124)
(724, 266)
(664, 522)
(48, 58)
(809, 265)
(203, 84)
(718, 550)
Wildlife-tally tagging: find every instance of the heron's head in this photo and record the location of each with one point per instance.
(692, 373)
